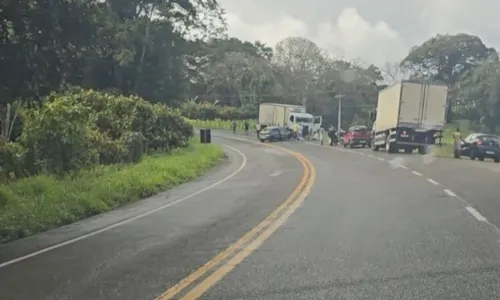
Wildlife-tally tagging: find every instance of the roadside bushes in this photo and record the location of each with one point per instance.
(212, 111)
(79, 128)
(223, 124)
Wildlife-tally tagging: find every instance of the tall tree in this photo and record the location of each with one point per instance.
(302, 63)
(446, 58)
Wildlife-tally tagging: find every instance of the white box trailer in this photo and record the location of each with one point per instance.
(278, 114)
(285, 115)
(408, 116)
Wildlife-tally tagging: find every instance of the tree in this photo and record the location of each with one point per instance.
(301, 64)
(479, 95)
(446, 58)
(393, 72)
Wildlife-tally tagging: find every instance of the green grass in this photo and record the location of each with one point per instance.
(446, 150)
(42, 202)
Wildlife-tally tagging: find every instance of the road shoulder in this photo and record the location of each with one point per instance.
(18, 248)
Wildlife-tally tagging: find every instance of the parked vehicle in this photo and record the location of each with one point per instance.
(285, 115)
(274, 134)
(318, 121)
(357, 136)
(409, 116)
(481, 146)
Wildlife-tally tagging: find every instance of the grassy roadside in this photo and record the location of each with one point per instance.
(446, 150)
(42, 202)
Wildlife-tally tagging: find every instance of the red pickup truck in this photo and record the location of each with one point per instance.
(357, 135)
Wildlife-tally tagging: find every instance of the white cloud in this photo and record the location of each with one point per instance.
(358, 28)
(350, 36)
(270, 33)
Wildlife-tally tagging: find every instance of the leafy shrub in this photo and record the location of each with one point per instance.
(104, 150)
(12, 160)
(78, 128)
(210, 111)
(134, 146)
(56, 134)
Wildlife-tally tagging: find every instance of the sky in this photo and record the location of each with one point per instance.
(378, 32)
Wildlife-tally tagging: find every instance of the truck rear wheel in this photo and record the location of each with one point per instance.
(391, 147)
(421, 150)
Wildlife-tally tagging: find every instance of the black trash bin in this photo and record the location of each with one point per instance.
(205, 136)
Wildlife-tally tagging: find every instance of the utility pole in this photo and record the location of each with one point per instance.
(339, 115)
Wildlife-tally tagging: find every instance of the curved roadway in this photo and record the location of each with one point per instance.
(368, 229)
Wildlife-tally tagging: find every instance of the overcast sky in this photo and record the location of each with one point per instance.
(375, 31)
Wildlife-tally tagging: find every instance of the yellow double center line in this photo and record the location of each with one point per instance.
(241, 249)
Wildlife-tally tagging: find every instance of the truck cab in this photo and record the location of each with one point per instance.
(303, 119)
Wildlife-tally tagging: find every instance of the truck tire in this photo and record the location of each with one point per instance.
(391, 147)
(421, 150)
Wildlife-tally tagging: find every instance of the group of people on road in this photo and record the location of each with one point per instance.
(331, 134)
(246, 125)
(298, 133)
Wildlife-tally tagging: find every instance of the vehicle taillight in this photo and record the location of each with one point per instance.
(479, 142)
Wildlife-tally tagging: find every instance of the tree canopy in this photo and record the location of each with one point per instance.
(177, 53)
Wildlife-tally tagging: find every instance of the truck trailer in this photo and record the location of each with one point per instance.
(285, 115)
(409, 115)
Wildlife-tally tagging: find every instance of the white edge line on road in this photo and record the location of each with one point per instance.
(432, 181)
(470, 209)
(449, 192)
(476, 214)
(115, 225)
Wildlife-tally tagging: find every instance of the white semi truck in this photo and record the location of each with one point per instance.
(285, 115)
(409, 116)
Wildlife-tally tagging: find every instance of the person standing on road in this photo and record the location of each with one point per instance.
(321, 134)
(234, 126)
(257, 128)
(247, 125)
(331, 132)
(300, 131)
(457, 143)
(295, 131)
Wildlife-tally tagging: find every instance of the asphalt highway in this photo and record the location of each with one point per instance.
(363, 226)
(144, 257)
(369, 230)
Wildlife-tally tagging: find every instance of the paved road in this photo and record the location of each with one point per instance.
(142, 258)
(475, 182)
(366, 230)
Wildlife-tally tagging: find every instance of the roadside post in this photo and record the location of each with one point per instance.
(205, 136)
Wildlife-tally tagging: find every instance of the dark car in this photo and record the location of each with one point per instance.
(357, 135)
(481, 146)
(275, 133)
